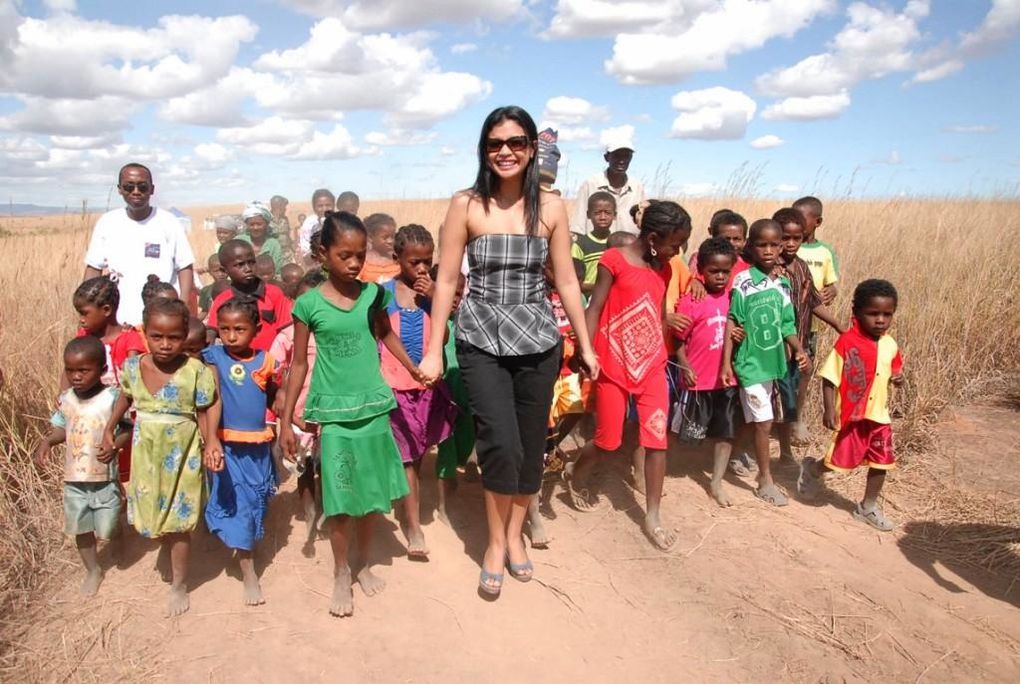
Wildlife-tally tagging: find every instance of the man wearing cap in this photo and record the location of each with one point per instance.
(628, 191)
(139, 240)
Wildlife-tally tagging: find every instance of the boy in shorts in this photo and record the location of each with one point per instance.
(855, 390)
(590, 248)
(708, 409)
(91, 492)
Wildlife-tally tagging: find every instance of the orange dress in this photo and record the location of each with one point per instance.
(378, 273)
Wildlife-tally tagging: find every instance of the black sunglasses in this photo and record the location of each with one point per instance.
(131, 187)
(518, 143)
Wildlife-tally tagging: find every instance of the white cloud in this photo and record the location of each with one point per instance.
(180, 55)
(271, 136)
(787, 188)
(372, 14)
(586, 18)
(979, 128)
(567, 134)
(220, 104)
(699, 36)
(61, 5)
(462, 48)
(808, 108)
(1000, 25)
(69, 117)
(712, 114)
(338, 69)
(939, 71)
(892, 159)
(78, 142)
(874, 42)
(767, 142)
(447, 151)
(573, 111)
(336, 144)
(213, 154)
(400, 137)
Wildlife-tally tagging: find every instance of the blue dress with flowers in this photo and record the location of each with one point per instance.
(165, 492)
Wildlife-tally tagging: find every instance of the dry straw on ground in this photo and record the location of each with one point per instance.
(954, 263)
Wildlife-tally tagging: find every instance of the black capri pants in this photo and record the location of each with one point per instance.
(510, 397)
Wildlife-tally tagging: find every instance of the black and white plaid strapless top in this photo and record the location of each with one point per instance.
(507, 311)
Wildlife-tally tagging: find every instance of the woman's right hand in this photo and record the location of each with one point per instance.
(431, 367)
(591, 364)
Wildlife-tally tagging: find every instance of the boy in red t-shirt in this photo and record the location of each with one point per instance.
(238, 260)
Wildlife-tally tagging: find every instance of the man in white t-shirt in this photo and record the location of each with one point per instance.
(628, 191)
(139, 240)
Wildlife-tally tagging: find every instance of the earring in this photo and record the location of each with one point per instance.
(654, 253)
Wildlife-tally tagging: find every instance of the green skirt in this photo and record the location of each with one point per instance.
(362, 471)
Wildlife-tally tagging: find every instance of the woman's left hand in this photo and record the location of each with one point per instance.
(590, 364)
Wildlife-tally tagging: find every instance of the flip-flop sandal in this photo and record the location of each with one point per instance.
(522, 572)
(807, 483)
(738, 468)
(658, 538)
(874, 517)
(491, 589)
(772, 495)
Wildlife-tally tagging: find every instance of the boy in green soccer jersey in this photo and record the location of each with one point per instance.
(760, 304)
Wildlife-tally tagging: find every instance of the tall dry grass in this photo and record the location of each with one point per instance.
(954, 263)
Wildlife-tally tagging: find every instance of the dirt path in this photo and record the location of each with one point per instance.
(750, 594)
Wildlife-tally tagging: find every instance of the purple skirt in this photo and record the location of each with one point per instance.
(422, 419)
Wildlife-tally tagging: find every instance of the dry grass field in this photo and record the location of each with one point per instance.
(955, 265)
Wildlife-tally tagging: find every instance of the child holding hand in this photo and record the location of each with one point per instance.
(170, 393)
(362, 471)
(91, 492)
(856, 377)
(243, 478)
(760, 304)
(625, 317)
(424, 416)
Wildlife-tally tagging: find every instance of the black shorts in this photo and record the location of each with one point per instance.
(787, 388)
(708, 414)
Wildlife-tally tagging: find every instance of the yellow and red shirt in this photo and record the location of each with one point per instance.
(861, 367)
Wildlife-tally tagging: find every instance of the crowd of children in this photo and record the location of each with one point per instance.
(307, 344)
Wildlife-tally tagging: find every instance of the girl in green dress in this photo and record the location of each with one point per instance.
(362, 472)
(170, 392)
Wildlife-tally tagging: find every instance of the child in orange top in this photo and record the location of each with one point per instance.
(380, 264)
(863, 363)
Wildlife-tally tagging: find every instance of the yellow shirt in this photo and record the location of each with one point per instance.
(863, 388)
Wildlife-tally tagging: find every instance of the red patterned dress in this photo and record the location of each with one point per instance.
(632, 353)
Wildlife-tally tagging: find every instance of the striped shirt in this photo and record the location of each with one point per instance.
(506, 311)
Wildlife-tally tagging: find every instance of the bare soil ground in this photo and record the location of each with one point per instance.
(751, 593)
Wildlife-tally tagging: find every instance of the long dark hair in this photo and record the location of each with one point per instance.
(486, 181)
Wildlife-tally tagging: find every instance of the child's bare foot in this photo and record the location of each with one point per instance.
(800, 435)
(179, 602)
(166, 573)
(663, 539)
(342, 603)
(536, 528)
(442, 516)
(308, 549)
(252, 592)
(417, 549)
(370, 582)
(90, 585)
(720, 496)
(786, 458)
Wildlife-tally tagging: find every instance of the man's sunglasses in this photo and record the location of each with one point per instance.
(142, 187)
(518, 143)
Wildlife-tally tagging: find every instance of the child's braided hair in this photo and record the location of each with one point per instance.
(99, 291)
(412, 234)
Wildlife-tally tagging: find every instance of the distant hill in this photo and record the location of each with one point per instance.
(30, 210)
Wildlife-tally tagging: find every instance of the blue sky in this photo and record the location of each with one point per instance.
(231, 101)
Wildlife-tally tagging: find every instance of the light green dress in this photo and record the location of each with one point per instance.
(165, 492)
(361, 467)
(271, 246)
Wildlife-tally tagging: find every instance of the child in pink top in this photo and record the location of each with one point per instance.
(625, 318)
(282, 350)
(708, 409)
(424, 416)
